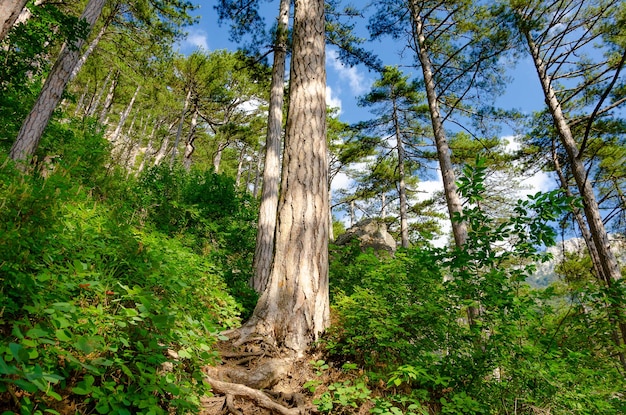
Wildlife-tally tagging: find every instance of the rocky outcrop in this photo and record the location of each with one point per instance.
(371, 234)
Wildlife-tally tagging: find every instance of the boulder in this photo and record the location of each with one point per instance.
(371, 233)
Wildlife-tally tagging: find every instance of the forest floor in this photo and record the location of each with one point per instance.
(255, 378)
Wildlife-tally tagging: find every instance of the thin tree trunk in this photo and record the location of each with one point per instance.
(453, 200)
(81, 100)
(179, 133)
(608, 262)
(264, 250)
(164, 146)
(108, 101)
(257, 176)
(149, 148)
(189, 147)
(217, 159)
(242, 155)
(95, 102)
(294, 308)
(352, 214)
(9, 12)
(33, 127)
(404, 223)
(124, 116)
(92, 46)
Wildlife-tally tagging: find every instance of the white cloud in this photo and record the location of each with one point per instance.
(198, 39)
(340, 181)
(332, 100)
(356, 80)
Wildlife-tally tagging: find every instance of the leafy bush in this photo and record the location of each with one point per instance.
(97, 313)
(405, 319)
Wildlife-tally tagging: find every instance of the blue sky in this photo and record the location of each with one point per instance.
(346, 84)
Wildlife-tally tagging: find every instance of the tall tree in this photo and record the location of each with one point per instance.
(294, 308)
(579, 89)
(264, 250)
(32, 129)
(398, 114)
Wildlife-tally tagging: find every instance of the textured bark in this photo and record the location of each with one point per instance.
(453, 200)
(264, 250)
(32, 129)
(9, 12)
(293, 310)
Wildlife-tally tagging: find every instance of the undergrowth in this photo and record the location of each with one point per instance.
(107, 304)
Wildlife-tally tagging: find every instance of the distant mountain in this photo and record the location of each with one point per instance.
(545, 275)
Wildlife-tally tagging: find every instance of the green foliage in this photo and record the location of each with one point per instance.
(208, 215)
(341, 395)
(96, 309)
(405, 320)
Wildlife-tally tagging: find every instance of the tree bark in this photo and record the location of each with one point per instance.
(294, 308)
(9, 12)
(608, 261)
(179, 133)
(453, 201)
(264, 250)
(33, 127)
(124, 116)
(108, 101)
(404, 223)
(189, 147)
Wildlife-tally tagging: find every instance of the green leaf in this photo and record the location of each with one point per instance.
(63, 335)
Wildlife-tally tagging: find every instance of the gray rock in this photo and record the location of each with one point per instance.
(371, 234)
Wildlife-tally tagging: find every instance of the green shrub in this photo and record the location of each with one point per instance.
(96, 311)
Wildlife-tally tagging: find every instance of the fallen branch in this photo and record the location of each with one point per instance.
(255, 395)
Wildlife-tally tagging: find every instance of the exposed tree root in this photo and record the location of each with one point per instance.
(261, 399)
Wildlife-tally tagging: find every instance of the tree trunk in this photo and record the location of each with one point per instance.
(180, 126)
(608, 261)
(92, 46)
(600, 237)
(453, 201)
(149, 148)
(108, 101)
(189, 147)
(293, 310)
(217, 159)
(124, 116)
(257, 176)
(95, 101)
(242, 156)
(264, 250)
(9, 12)
(404, 223)
(160, 155)
(33, 127)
